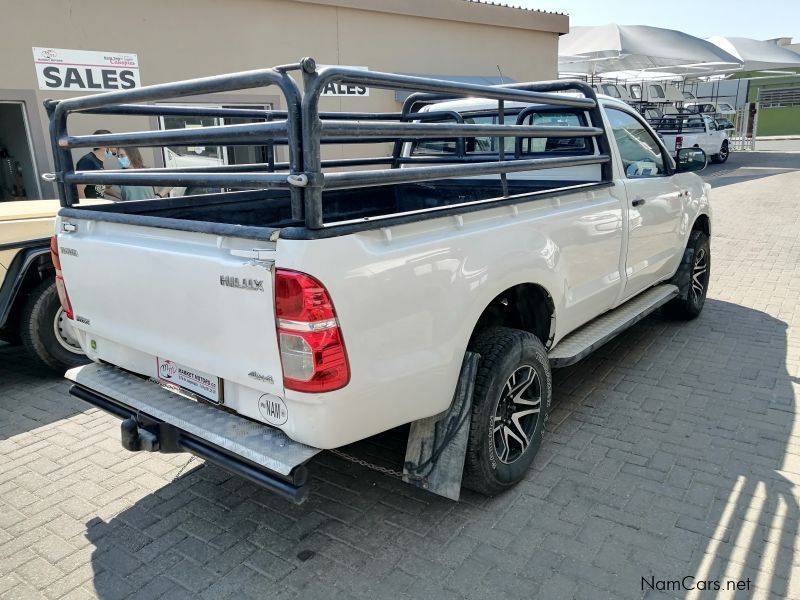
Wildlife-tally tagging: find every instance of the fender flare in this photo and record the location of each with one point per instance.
(20, 266)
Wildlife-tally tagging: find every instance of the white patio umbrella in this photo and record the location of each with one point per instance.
(757, 55)
(604, 48)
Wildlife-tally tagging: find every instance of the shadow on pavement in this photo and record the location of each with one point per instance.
(30, 395)
(666, 461)
(749, 166)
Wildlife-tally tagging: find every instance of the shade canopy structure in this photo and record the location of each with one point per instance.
(609, 48)
(757, 55)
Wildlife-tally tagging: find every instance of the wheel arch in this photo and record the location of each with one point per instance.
(29, 267)
(703, 223)
(526, 306)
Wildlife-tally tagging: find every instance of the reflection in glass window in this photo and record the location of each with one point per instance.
(640, 153)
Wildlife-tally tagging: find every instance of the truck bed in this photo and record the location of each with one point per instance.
(256, 213)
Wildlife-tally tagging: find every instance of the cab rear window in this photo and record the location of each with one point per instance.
(528, 146)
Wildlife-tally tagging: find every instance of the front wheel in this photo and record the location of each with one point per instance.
(46, 331)
(692, 278)
(724, 153)
(511, 400)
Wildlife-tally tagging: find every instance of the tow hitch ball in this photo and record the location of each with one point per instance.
(135, 438)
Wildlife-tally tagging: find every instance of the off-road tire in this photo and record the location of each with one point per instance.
(38, 333)
(724, 153)
(689, 302)
(503, 352)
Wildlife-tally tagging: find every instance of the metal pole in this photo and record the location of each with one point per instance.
(501, 143)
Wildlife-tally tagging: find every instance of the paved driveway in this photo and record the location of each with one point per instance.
(673, 453)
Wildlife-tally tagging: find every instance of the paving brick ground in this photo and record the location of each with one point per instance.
(673, 452)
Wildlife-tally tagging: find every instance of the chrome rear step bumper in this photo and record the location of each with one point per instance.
(158, 420)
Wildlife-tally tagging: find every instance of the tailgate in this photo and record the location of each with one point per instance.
(146, 295)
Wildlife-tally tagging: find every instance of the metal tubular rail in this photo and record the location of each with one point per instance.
(314, 128)
(242, 134)
(59, 111)
(203, 179)
(337, 181)
(305, 129)
(411, 131)
(264, 167)
(164, 110)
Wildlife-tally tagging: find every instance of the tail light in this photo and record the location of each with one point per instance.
(63, 297)
(313, 355)
(678, 142)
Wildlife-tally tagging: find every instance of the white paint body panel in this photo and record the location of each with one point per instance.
(407, 297)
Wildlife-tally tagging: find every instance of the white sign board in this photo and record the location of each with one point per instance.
(84, 70)
(342, 88)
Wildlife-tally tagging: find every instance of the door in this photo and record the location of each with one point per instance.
(655, 203)
(714, 138)
(18, 174)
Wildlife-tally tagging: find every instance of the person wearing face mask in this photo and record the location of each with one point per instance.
(93, 161)
(131, 158)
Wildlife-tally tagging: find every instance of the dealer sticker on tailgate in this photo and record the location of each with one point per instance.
(192, 380)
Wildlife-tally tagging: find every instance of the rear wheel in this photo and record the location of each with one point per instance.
(692, 278)
(724, 152)
(513, 390)
(46, 331)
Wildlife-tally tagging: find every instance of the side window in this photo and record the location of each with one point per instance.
(640, 153)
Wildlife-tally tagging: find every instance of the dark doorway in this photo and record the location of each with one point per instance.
(18, 177)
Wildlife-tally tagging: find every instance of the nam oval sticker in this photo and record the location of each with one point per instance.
(273, 409)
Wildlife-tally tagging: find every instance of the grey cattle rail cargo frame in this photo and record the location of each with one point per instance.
(304, 129)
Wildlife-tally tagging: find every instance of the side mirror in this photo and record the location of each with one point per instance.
(691, 159)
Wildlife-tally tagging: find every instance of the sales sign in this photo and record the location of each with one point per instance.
(84, 70)
(343, 88)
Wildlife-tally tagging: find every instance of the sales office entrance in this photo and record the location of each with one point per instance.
(18, 170)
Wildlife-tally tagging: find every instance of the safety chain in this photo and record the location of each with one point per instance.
(369, 465)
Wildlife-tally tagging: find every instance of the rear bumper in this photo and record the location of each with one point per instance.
(157, 420)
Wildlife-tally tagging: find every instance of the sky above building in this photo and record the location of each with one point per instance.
(758, 19)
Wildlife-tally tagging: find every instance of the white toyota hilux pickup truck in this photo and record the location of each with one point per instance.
(692, 130)
(317, 300)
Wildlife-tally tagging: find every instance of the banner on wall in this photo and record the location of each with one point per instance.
(85, 70)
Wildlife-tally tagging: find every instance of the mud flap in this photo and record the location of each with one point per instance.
(437, 445)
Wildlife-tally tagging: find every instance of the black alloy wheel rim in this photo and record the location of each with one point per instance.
(699, 276)
(517, 414)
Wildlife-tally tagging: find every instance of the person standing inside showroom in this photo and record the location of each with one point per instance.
(93, 161)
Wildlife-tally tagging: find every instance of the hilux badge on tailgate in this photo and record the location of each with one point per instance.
(256, 285)
(261, 377)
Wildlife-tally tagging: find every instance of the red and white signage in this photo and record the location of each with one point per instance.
(85, 70)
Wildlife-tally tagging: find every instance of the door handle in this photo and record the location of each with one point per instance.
(637, 202)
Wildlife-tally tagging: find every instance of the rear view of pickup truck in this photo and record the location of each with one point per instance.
(691, 130)
(314, 302)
